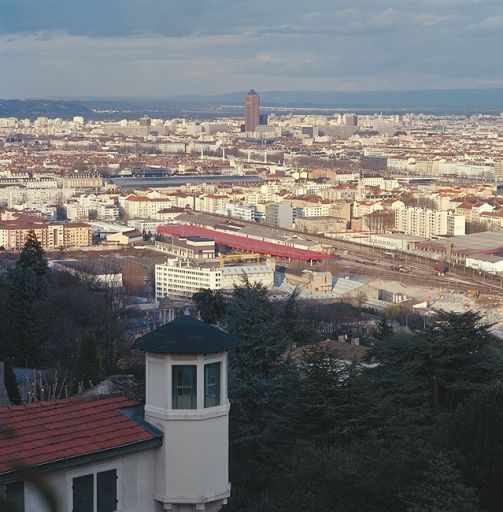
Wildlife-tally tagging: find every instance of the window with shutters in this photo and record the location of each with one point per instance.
(95, 493)
(106, 483)
(14, 494)
(83, 494)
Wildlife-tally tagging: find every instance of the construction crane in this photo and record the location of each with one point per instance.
(244, 256)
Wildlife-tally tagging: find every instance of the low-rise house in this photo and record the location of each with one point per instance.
(111, 454)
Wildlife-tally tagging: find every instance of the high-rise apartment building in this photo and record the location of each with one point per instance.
(252, 111)
(279, 215)
(427, 223)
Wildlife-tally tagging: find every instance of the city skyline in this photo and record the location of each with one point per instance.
(169, 48)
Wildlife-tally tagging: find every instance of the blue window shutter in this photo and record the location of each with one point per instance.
(83, 494)
(14, 492)
(107, 491)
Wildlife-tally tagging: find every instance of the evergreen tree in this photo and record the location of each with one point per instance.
(11, 383)
(455, 357)
(325, 395)
(262, 387)
(250, 317)
(292, 320)
(33, 256)
(462, 356)
(27, 319)
(476, 434)
(442, 490)
(89, 369)
(210, 305)
(383, 328)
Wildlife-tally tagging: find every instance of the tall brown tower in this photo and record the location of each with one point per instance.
(252, 111)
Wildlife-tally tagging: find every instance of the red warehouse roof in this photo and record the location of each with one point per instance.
(244, 243)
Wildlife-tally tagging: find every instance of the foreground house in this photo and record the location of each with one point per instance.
(111, 454)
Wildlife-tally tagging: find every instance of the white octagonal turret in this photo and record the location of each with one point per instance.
(186, 397)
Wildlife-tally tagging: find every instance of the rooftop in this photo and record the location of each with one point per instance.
(60, 431)
(247, 243)
(186, 335)
(246, 269)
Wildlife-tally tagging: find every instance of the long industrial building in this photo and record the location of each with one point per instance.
(244, 243)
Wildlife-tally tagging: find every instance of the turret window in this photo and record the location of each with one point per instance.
(184, 387)
(212, 384)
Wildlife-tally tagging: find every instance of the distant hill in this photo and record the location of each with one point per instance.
(472, 99)
(211, 106)
(35, 108)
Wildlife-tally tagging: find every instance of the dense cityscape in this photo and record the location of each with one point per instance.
(251, 256)
(352, 229)
(293, 201)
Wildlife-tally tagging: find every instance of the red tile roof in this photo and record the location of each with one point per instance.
(44, 432)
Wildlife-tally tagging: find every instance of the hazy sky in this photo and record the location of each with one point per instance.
(166, 47)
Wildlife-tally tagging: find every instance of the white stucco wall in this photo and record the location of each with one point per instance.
(135, 484)
(493, 267)
(192, 465)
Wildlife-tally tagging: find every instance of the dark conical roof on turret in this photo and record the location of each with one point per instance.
(186, 335)
(252, 93)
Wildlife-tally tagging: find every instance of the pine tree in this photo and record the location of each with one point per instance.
(89, 368)
(383, 329)
(250, 317)
(33, 256)
(262, 387)
(291, 318)
(26, 326)
(442, 490)
(11, 383)
(455, 356)
(210, 305)
(476, 434)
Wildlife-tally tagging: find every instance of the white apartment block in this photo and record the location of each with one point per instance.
(180, 279)
(213, 203)
(373, 181)
(427, 223)
(247, 212)
(108, 212)
(76, 212)
(311, 210)
(279, 214)
(363, 208)
(143, 207)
